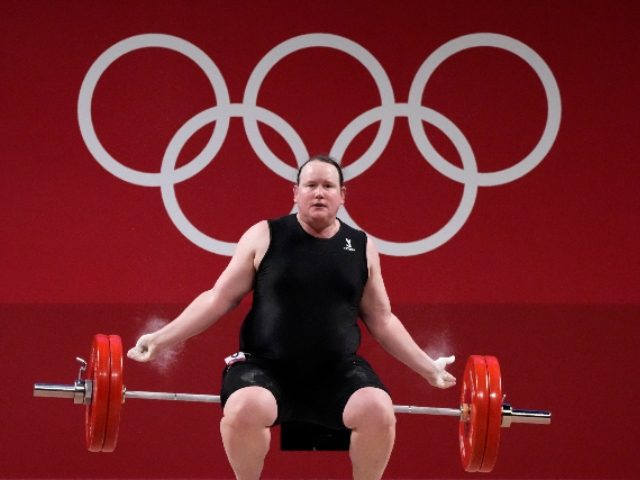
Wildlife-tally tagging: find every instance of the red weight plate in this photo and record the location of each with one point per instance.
(115, 395)
(472, 431)
(98, 371)
(494, 423)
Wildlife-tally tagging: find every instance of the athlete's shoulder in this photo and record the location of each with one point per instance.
(347, 229)
(255, 235)
(289, 219)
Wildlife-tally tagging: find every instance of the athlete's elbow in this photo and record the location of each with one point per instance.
(228, 301)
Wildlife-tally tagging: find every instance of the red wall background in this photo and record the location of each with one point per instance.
(544, 273)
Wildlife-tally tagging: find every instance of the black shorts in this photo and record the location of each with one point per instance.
(313, 395)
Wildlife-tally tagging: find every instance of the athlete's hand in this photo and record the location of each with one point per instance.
(144, 350)
(440, 378)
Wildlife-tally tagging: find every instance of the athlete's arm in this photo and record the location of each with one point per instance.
(386, 328)
(232, 285)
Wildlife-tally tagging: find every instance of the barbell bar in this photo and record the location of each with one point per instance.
(482, 412)
(78, 390)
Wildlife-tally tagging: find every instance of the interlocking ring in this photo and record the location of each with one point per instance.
(251, 113)
(85, 119)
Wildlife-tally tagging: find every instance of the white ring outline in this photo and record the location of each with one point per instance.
(457, 221)
(314, 40)
(178, 141)
(539, 66)
(87, 130)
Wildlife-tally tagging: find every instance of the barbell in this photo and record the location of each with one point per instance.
(482, 412)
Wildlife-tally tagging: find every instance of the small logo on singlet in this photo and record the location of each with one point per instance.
(348, 245)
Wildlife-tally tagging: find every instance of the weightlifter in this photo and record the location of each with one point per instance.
(312, 277)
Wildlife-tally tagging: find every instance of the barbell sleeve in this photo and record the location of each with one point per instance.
(512, 415)
(54, 390)
(80, 391)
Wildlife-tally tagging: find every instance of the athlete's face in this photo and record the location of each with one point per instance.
(319, 194)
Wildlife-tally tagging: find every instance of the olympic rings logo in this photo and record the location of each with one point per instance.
(389, 109)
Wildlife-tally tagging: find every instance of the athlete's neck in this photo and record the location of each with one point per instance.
(320, 229)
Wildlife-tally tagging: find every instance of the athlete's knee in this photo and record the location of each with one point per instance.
(250, 407)
(371, 409)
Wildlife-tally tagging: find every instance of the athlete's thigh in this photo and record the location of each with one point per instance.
(252, 372)
(329, 393)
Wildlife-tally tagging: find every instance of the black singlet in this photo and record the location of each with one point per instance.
(306, 295)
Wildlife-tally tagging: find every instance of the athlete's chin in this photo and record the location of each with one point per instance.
(321, 213)
(318, 215)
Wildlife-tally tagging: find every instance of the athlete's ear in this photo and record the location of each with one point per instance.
(295, 193)
(343, 193)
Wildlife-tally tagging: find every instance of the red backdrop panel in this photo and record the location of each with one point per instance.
(542, 270)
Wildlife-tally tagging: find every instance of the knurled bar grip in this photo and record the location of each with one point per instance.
(198, 397)
(176, 397)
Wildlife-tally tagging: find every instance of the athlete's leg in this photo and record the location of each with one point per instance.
(245, 427)
(370, 416)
